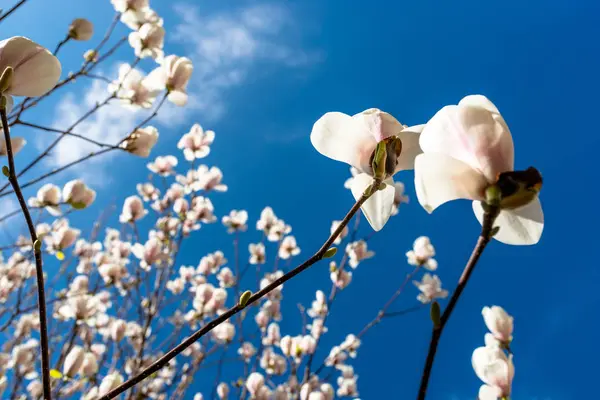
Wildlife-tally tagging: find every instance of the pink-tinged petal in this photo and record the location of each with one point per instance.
(36, 70)
(16, 142)
(378, 208)
(410, 147)
(178, 98)
(379, 124)
(440, 178)
(338, 136)
(487, 392)
(473, 132)
(522, 226)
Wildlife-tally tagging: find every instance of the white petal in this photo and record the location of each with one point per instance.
(378, 208)
(337, 136)
(178, 98)
(522, 226)
(440, 178)
(472, 132)
(410, 147)
(487, 392)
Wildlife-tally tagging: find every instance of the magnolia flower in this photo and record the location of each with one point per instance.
(431, 288)
(357, 252)
(133, 88)
(496, 370)
(16, 143)
(109, 382)
(236, 221)
(254, 383)
(353, 139)
(226, 278)
(422, 254)
(48, 196)
(399, 197)
(468, 148)
(35, 69)
(148, 41)
(129, 5)
(133, 210)
(247, 351)
(81, 29)
(173, 74)
(339, 277)
(288, 248)
(73, 361)
(89, 367)
(135, 19)
(163, 165)
(141, 141)
(343, 233)
(78, 194)
(499, 323)
(224, 332)
(257, 253)
(148, 191)
(149, 253)
(61, 235)
(196, 143)
(222, 391)
(209, 179)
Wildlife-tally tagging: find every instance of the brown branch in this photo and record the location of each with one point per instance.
(164, 360)
(12, 9)
(12, 177)
(484, 239)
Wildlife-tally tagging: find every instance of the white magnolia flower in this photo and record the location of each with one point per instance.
(110, 382)
(163, 165)
(431, 289)
(129, 5)
(141, 141)
(209, 179)
(173, 74)
(81, 29)
(78, 194)
(468, 148)
(16, 143)
(135, 19)
(148, 41)
(499, 323)
(288, 248)
(196, 143)
(496, 370)
(236, 221)
(257, 253)
(35, 69)
(399, 197)
(133, 88)
(48, 196)
(422, 254)
(73, 361)
(353, 139)
(133, 210)
(357, 252)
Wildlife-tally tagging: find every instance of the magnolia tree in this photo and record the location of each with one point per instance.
(132, 322)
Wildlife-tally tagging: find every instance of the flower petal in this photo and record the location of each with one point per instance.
(337, 136)
(473, 132)
(378, 208)
(522, 226)
(36, 69)
(410, 147)
(178, 98)
(487, 392)
(440, 178)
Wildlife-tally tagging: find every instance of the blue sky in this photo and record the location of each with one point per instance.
(538, 61)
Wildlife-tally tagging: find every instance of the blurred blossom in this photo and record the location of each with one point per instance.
(61, 236)
(399, 197)
(133, 88)
(431, 289)
(149, 253)
(48, 196)
(173, 74)
(211, 263)
(73, 361)
(163, 165)
(81, 29)
(196, 143)
(17, 143)
(224, 332)
(222, 391)
(342, 235)
(357, 252)
(236, 221)
(247, 351)
(340, 277)
(288, 248)
(422, 254)
(319, 306)
(496, 370)
(141, 141)
(209, 179)
(499, 323)
(133, 210)
(78, 194)
(148, 41)
(147, 191)
(110, 382)
(226, 278)
(257, 253)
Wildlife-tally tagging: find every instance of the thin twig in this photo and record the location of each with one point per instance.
(164, 360)
(484, 239)
(11, 10)
(12, 177)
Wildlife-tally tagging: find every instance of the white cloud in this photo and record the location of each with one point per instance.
(227, 46)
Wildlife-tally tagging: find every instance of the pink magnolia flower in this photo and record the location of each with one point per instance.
(222, 391)
(422, 254)
(163, 165)
(288, 248)
(141, 141)
(209, 179)
(357, 252)
(173, 74)
(78, 194)
(73, 361)
(496, 370)
(148, 41)
(196, 143)
(148, 191)
(48, 196)
(136, 18)
(110, 382)
(133, 88)
(133, 210)
(353, 139)
(129, 5)
(236, 221)
(224, 332)
(431, 288)
(257, 253)
(468, 148)
(149, 253)
(17, 143)
(81, 29)
(35, 69)
(254, 383)
(499, 323)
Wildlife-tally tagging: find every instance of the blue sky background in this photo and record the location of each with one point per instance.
(538, 61)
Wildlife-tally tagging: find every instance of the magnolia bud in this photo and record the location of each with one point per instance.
(330, 252)
(245, 297)
(81, 29)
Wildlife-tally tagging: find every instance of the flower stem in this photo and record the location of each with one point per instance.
(482, 241)
(12, 177)
(164, 360)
